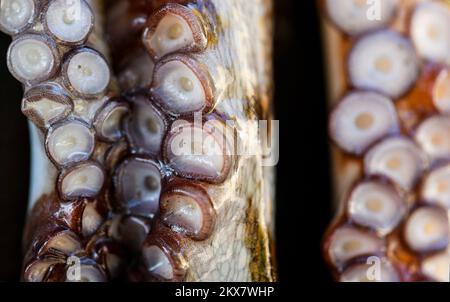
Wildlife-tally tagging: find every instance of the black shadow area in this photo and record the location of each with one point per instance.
(14, 172)
(303, 192)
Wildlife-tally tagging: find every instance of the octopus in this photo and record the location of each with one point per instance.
(145, 163)
(390, 133)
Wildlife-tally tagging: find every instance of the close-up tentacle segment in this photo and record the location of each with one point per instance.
(145, 166)
(182, 155)
(389, 127)
(59, 55)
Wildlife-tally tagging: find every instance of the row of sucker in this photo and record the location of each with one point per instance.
(71, 97)
(178, 145)
(394, 120)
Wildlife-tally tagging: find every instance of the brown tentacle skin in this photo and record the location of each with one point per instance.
(390, 173)
(199, 65)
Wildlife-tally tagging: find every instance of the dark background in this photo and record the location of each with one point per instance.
(303, 189)
(14, 171)
(303, 195)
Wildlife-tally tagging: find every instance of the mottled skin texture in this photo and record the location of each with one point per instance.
(244, 89)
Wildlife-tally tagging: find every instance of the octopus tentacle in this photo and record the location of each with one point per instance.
(396, 211)
(179, 86)
(58, 55)
(190, 157)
